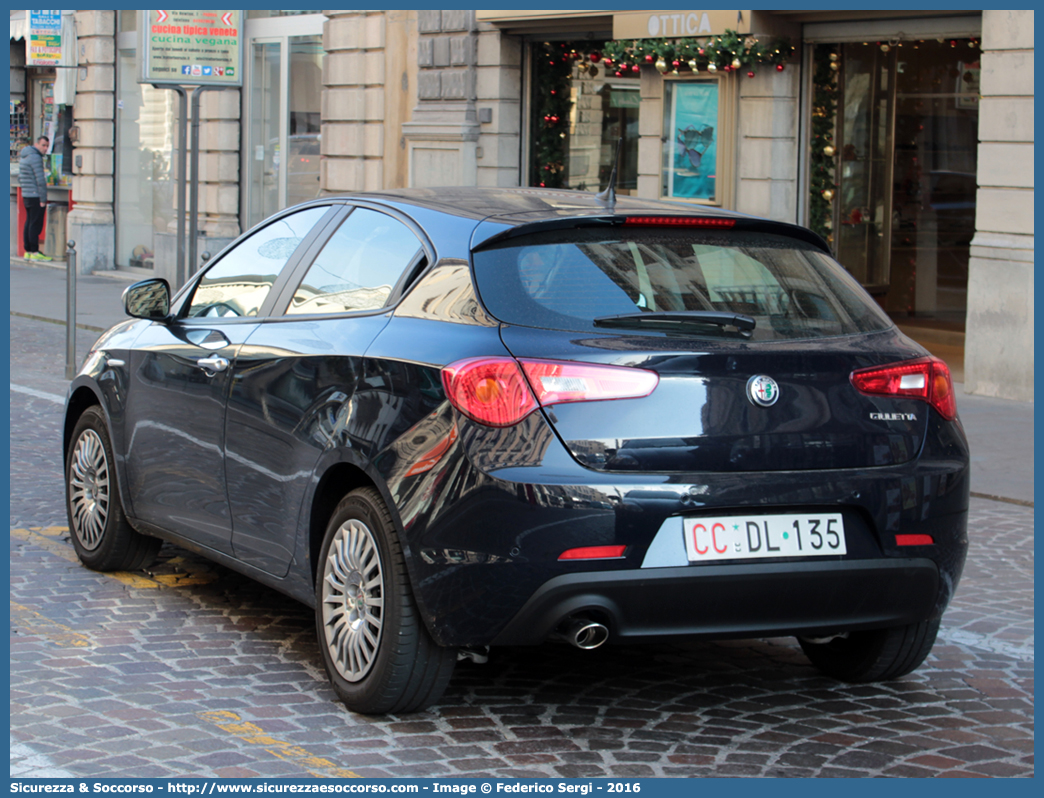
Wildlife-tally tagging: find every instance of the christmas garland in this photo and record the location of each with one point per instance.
(551, 104)
(825, 65)
(729, 52)
(555, 63)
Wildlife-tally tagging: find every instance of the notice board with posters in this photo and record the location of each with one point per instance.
(191, 47)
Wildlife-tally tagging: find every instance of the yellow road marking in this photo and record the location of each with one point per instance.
(252, 733)
(35, 623)
(51, 539)
(37, 536)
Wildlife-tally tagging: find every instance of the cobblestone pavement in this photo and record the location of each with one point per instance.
(193, 670)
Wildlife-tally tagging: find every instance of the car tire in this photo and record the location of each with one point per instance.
(101, 535)
(874, 655)
(377, 652)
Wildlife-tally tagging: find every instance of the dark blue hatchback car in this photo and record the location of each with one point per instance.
(452, 418)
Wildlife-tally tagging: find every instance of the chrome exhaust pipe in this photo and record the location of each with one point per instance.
(584, 633)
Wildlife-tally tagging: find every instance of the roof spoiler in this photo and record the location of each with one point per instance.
(490, 232)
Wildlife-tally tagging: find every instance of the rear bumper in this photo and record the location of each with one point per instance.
(736, 600)
(485, 529)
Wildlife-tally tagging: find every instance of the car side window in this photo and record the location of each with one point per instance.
(359, 266)
(239, 282)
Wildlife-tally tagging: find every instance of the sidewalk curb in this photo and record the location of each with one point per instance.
(36, 264)
(88, 327)
(1005, 499)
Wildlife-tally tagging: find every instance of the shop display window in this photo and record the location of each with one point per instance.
(579, 110)
(690, 152)
(699, 134)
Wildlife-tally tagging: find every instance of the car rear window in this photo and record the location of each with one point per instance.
(566, 279)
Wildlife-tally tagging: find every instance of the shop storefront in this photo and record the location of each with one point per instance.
(868, 134)
(41, 104)
(276, 149)
(888, 132)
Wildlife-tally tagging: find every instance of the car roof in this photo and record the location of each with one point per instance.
(505, 208)
(530, 204)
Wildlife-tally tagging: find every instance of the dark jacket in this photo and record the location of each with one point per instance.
(31, 176)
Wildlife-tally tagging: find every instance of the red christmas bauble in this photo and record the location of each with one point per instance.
(779, 67)
(675, 64)
(750, 74)
(649, 59)
(595, 57)
(636, 68)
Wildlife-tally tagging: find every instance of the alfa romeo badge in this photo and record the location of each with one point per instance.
(762, 390)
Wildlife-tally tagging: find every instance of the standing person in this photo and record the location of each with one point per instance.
(33, 180)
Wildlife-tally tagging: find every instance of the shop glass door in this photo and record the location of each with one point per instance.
(265, 118)
(284, 86)
(904, 211)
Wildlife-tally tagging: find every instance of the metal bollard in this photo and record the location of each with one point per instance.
(70, 310)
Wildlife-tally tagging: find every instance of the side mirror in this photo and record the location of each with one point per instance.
(148, 299)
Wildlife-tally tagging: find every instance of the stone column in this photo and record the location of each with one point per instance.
(442, 137)
(353, 101)
(498, 96)
(767, 144)
(217, 220)
(91, 223)
(219, 135)
(998, 354)
(650, 134)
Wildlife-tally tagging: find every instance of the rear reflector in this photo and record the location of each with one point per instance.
(593, 553)
(494, 391)
(678, 221)
(926, 378)
(914, 540)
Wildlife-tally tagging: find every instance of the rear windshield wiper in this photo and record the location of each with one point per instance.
(669, 319)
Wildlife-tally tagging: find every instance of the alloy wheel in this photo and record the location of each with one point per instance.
(353, 600)
(89, 490)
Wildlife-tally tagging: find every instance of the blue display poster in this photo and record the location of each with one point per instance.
(692, 136)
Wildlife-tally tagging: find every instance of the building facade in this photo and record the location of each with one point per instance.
(904, 138)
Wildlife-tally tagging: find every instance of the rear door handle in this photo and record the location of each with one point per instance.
(213, 364)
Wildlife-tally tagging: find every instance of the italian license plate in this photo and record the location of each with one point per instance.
(744, 537)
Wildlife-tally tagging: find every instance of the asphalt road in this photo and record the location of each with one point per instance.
(192, 670)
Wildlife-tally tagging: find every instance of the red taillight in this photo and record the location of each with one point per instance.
(593, 553)
(678, 221)
(927, 379)
(493, 390)
(913, 540)
(490, 390)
